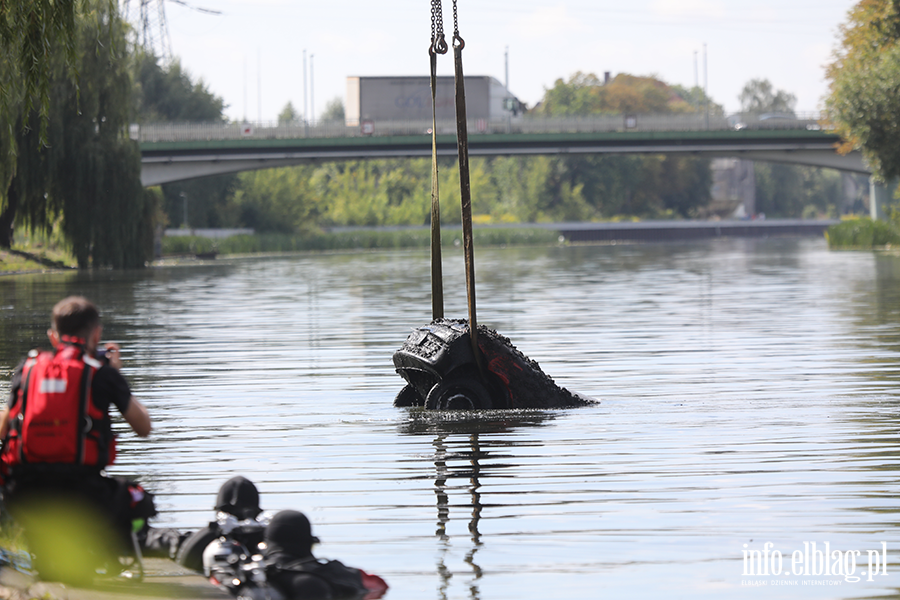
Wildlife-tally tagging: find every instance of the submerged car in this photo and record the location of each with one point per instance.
(441, 371)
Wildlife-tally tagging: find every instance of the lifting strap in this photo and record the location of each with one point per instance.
(438, 46)
(462, 140)
(465, 190)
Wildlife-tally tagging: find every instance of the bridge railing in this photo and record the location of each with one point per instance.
(186, 132)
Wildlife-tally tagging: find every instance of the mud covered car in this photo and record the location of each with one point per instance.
(441, 372)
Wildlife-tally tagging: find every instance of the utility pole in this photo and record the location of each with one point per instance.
(696, 79)
(507, 102)
(305, 107)
(506, 68)
(258, 88)
(706, 83)
(312, 91)
(696, 84)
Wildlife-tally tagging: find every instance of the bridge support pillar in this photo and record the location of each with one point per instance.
(880, 196)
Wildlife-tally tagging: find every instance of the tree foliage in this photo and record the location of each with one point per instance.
(585, 94)
(759, 96)
(167, 93)
(86, 178)
(288, 115)
(864, 92)
(626, 185)
(33, 33)
(334, 110)
(786, 191)
(277, 200)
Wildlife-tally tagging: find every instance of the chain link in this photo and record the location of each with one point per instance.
(438, 41)
(458, 42)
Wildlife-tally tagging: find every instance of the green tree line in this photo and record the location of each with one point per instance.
(528, 189)
(505, 189)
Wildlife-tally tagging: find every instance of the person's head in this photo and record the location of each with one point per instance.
(289, 532)
(239, 497)
(76, 318)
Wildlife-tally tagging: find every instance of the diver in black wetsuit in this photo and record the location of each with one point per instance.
(292, 569)
(237, 513)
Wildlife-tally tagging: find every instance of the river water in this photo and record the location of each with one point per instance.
(749, 395)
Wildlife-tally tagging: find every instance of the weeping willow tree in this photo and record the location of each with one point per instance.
(31, 32)
(35, 35)
(81, 172)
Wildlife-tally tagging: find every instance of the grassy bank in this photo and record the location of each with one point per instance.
(35, 252)
(350, 240)
(862, 234)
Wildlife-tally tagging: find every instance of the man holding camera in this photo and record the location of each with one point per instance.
(57, 434)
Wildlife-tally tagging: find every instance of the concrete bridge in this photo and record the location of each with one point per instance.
(177, 152)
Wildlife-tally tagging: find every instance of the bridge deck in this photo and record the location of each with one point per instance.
(184, 153)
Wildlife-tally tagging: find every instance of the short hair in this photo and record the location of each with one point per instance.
(76, 316)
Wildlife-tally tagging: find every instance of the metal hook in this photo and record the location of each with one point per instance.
(439, 45)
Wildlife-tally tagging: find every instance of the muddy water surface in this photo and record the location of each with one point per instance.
(749, 396)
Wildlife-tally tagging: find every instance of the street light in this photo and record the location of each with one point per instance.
(184, 199)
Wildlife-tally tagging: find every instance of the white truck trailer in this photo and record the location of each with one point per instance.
(408, 99)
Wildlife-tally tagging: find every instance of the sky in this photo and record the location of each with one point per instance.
(252, 54)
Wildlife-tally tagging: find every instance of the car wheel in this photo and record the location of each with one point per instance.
(461, 393)
(408, 396)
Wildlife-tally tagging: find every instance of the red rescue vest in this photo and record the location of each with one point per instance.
(54, 419)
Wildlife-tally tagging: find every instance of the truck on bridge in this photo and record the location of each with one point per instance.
(373, 99)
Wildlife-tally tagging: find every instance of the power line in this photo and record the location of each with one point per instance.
(151, 27)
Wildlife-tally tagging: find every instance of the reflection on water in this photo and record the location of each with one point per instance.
(460, 462)
(748, 395)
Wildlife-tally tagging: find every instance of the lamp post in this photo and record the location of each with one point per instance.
(184, 200)
(706, 84)
(305, 106)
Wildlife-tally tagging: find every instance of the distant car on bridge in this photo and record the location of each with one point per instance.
(773, 120)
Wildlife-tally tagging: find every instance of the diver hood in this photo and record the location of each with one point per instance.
(239, 497)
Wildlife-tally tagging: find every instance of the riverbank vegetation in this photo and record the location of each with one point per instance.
(37, 251)
(364, 239)
(864, 234)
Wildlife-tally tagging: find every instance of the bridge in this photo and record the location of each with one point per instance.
(174, 152)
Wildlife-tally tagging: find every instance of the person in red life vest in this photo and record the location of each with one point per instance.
(57, 434)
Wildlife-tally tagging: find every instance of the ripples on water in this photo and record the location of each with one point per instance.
(749, 395)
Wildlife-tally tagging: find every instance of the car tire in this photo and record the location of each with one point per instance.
(459, 393)
(408, 396)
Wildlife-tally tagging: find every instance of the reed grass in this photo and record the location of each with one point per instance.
(862, 234)
(364, 239)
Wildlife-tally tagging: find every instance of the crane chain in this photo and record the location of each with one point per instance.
(438, 41)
